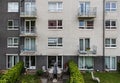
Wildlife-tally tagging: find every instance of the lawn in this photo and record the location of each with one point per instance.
(105, 77)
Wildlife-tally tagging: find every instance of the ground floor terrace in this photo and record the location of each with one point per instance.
(84, 62)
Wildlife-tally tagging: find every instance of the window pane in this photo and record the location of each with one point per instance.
(81, 62)
(108, 5)
(113, 23)
(88, 62)
(107, 62)
(107, 23)
(113, 5)
(107, 41)
(60, 61)
(90, 24)
(113, 63)
(81, 24)
(32, 60)
(81, 45)
(10, 23)
(9, 61)
(87, 44)
(113, 41)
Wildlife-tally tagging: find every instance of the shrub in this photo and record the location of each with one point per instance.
(118, 66)
(39, 72)
(75, 75)
(12, 74)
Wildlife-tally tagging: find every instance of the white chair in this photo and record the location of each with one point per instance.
(95, 78)
(44, 69)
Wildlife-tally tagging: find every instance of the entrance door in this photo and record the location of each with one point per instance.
(84, 8)
(53, 59)
(30, 62)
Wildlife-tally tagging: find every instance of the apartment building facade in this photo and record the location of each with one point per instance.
(41, 32)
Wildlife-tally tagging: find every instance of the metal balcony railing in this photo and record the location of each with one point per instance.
(23, 49)
(87, 13)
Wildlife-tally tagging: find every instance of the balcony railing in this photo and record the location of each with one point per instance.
(27, 51)
(88, 51)
(31, 12)
(28, 32)
(87, 13)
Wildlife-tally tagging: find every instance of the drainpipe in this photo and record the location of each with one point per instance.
(103, 35)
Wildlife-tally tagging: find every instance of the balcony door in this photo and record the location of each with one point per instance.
(84, 8)
(29, 7)
(29, 26)
(29, 44)
(30, 62)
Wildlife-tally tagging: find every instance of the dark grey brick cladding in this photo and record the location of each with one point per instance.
(4, 33)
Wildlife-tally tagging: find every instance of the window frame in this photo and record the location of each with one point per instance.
(56, 42)
(56, 25)
(56, 8)
(110, 9)
(111, 27)
(13, 60)
(12, 44)
(13, 25)
(84, 44)
(110, 45)
(85, 25)
(14, 8)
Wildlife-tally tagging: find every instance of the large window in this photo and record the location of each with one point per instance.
(55, 24)
(55, 6)
(12, 42)
(13, 24)
(110, 42)
(13, 7)
(53, 59)
(86, 24)
(86, 62)
(110, 62)
(30, 62)
(110, 24)
(12, 60)
(54, 41)
(84, 44)
(111, 6)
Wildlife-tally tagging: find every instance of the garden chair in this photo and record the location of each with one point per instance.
(95, 78)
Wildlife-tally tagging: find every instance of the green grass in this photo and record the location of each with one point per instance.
(28, 79)
(105, 77)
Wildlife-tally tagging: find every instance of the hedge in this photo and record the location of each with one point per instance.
(12, 74)
(75, 75)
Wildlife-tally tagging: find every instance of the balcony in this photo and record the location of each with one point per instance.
(28, 33)
(27, 51)
(87, 13)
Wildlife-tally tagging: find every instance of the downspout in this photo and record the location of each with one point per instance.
(103, 35)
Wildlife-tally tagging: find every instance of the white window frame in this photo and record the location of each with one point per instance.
(13, 7)
(55, 9)
(84, 44)
(111, 27)
(12, 44)
(13, 56)
(85, 25)
(110, 58)
(12, 26)
(110, 9)
(110, 45)
(57, 27)
(55, 40)
(84, 63)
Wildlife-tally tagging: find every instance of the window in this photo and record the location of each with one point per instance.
(86, 62)
(110, 6)
(55, 41)
(55, 24)
(13, 7)
(53, 59)
(13, 24)
(84, 44)
(12, 60)
(12, 42)
(110, 42)
(55, 6)
(86, 24)
(110, 62)
(30, 62)
(110, 24)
